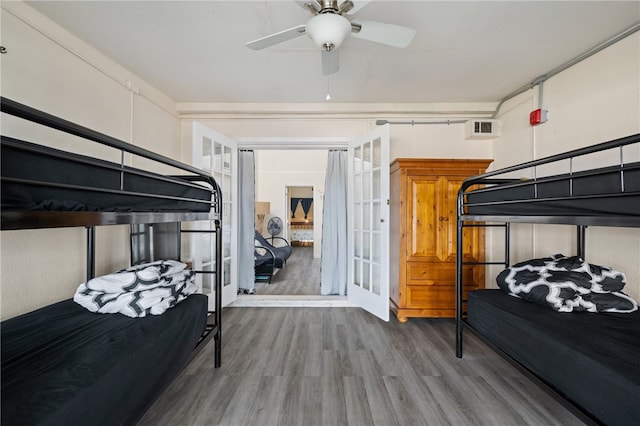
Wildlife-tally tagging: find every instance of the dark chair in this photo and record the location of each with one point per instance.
(268, 257)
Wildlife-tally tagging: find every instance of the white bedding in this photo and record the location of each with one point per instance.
(151, 289)
(301, 235)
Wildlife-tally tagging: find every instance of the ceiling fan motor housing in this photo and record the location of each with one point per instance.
(328, 30)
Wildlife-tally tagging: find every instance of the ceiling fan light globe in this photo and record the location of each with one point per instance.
(328, 29)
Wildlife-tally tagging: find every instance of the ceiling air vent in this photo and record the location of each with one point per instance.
(482, 129)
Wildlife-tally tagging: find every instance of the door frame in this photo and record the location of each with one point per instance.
(298, 143)
(287, 207)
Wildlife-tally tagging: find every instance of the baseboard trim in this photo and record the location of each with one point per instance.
(291, 301)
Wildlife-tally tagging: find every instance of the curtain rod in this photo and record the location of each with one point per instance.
(413, 122)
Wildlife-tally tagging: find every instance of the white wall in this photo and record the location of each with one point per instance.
(48, 68)
(419, 141)
(594, 101)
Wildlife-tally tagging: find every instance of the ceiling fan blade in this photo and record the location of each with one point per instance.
(276, 38)
(380, 32)
(330, 62)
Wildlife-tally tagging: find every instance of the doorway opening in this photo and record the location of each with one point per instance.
(300, 225)
(291, 181)
(300, 275)
(285, 176)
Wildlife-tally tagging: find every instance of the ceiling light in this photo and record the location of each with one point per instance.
(328, 30)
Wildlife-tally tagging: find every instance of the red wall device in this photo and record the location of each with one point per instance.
(538, 116)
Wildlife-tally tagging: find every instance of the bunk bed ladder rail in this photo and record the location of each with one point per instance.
(460, 263)
(212, 329)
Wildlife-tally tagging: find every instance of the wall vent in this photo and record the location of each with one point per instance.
(482, 129)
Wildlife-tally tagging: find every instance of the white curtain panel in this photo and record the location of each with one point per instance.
(246, 220)
(333, 273)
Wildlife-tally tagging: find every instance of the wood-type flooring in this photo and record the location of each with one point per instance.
(343, 366)
(299, 277)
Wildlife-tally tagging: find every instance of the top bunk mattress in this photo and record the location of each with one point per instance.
(591, 358)
(561, 190)
(39, 178)
(604, 191)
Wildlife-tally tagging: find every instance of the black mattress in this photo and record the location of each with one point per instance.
(64, 365)
(39, 178)
(591, 359)
(593, 192)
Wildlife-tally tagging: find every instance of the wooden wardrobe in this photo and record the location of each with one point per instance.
(423, 236)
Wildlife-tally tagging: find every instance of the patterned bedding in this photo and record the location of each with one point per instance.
(301, 235)
(567, 284)
(150, 288)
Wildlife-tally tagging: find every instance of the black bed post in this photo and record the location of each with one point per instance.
(507, 244)
(91, 252)
(581, 241)
(218, 302)
(459, 288)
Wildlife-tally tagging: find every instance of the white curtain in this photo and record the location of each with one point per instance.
(333, 273)
(246, 221)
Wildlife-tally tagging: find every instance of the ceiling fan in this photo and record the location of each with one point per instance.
(328, 28)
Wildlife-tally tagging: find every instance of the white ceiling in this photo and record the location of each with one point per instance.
(479, 51)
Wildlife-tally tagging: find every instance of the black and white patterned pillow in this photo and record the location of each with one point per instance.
(567, 284)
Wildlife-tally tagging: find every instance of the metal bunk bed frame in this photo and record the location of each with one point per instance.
(16, 220)
(465, 219)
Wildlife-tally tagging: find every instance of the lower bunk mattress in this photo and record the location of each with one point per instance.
(592, 359)
(64, 365)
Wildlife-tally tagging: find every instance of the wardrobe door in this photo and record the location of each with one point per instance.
(422, 217)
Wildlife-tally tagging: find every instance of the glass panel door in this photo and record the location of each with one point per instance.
(216, 154)
(368, 284)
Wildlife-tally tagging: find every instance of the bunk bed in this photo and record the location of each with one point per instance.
(62, 364)
(589, 360)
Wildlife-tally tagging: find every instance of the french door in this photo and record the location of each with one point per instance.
(218, 155)
(368, 222)
(368, 217)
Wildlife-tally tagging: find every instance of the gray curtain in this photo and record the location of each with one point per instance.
(246, 221)
(333, 273)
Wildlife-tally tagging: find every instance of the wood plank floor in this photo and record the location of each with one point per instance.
(300, 276)
(342, 366)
